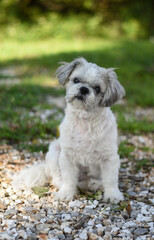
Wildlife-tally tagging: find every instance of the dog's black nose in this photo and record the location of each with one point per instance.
(84, 90)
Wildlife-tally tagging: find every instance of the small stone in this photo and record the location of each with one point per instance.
(81, 222)
(115, 230)
(143, 193)
(134, 214)
(105, 211)
(67, 230)
(43, 228)
(151, 210)
(141, 218)
(31, 210)
(129, 224)
(53, 238)
(106, 222)
(13, 197)
(141, 231)
(107, 236)
(22, 233)
(91, 223)
(61, 236)
(2, 205)
(37, 216)
(82, 206)
(75, 203)
(132, 193)
(126, 232)
(108, 229)
(119, 224)
(144, 210)
(5, 236)
(151, 200)
(64, 224)
(10, 213)
(31, 236)
(143, 238)
(90, 211)
(93, 236)
(100, 229)
(91, 206)
(11, 223)
(95, 202)
(66, 217)
(83, 234)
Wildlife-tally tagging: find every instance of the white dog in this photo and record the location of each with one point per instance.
(86, 152)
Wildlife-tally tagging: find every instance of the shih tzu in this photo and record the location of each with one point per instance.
(86, 153)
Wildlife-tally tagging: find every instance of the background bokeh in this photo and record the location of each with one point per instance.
(76, 18)
(36, 35)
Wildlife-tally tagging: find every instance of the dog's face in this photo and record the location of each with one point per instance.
(89, 86)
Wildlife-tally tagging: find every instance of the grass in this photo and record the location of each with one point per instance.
(144, 163)
(35, 62)
(125, 149)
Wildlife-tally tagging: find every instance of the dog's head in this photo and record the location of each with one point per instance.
(89, 86)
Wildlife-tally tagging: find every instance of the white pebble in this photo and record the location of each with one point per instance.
(129, 224)
(67, 230)
(151, 200)
(114, 230)
(95, 202)
(83, 234)
(141, 218)
(91, 223)
(143, 193)
(64, 224)
(75, 203)
(141, 238)
(144, 210)
(66, 217)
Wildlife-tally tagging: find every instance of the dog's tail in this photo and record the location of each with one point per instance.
(30, 177)
(38, 174)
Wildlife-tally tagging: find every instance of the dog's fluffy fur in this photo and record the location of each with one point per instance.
(86, 152)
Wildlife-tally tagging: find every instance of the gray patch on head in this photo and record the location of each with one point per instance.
(114, 90)
(65, 70)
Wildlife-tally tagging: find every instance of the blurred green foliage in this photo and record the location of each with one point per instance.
(76, 18)
(37, 34)
(34, 64)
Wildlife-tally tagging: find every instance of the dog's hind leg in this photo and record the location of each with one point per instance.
(52, 169)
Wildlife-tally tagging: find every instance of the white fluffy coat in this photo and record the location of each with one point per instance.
(86, 152)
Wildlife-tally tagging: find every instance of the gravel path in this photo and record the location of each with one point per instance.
(25, 215)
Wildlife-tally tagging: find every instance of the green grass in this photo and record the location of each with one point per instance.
(125, 150)
(143, 163)
(35, 62)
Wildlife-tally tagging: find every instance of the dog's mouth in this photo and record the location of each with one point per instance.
(80, 98)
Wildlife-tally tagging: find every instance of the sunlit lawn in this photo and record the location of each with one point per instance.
(35, 62)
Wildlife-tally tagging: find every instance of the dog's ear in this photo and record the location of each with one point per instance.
(114, 90)
(65, 70)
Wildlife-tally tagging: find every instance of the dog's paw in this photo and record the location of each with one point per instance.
(56, 182)
(113, 195)
(65, 194)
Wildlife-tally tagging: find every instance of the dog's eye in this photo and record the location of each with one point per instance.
(76, 80)
(97, 89)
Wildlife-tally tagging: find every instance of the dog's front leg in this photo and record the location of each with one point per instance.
(109, 171)
(69, 176)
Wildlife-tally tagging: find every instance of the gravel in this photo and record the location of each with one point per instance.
(25, 215)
